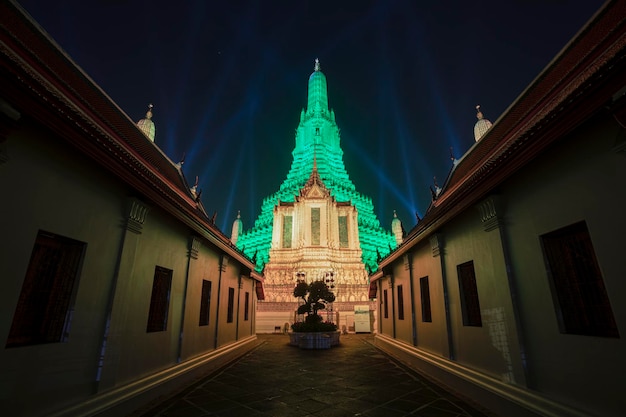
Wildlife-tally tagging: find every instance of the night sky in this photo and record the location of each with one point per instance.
(228, 80)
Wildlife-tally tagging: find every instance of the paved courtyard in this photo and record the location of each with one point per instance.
(275, 379)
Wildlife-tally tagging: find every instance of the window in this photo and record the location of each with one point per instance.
(343, 231)
(400, 303)
(315, 226)
(45, 306)
(576, 282)
(231, 305)
(469, 295)
(425, 294)
(287, 227)
(160, 300)
(205, 303)
(246, 307)
(386, 310)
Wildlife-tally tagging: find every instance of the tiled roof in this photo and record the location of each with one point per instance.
(40, 77)
(567, 92)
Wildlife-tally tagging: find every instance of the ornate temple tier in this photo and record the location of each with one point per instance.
(318, 137)
(316, 226)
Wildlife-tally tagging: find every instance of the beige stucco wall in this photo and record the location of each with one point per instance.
(492, 348)
(431, 336)
(49, 186)
(581, 179)
(199, 339)
(228, 331)
(134, 352)
(246, 327)
(385, 325)
(404, 327)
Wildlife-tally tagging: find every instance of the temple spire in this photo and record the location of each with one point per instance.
(237, 229)
(318, 92)
(397, 229)
(317, 158)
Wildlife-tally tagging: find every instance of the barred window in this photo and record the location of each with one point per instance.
(580, 298)
(246, 307)
(385, 308)
(470, 305)
(425, 295)
(400, 303)
(45, 306)
(231, 305)
(160, 300)
(205, 303)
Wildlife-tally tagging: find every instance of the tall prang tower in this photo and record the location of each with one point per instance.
(317, 136)
(316, 226)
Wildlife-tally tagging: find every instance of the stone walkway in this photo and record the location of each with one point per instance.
(352, 379)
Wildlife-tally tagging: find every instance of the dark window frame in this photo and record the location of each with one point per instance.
(425, 298)
(385, 303)
(246, 307)
(400, 302)
(231, 305)
(468, 291)
(205, 303)
(160, 300)
(580, 299)
(45, 307)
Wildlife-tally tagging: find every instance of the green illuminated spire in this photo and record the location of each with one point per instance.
(317, 138)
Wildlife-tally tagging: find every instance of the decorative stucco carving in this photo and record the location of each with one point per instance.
(436, 244)
(490, 213)
(194, 246)
(137, 212)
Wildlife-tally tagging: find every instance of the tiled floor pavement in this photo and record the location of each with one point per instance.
(275, 379)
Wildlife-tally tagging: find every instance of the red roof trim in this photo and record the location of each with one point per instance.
(40, 77)
(590, 68)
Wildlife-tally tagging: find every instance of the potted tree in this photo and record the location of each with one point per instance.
(313, 332)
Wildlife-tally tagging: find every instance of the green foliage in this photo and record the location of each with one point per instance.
(316, 325)
(315, 295)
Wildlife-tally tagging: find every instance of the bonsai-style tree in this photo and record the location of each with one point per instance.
(316, 296)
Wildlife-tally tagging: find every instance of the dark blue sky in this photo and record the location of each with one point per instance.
(228, 80)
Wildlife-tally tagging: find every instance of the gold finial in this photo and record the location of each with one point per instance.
(479, 114)
(149, 113)
(317, 64)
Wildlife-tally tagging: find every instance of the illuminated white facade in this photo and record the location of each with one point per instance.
(314, 238)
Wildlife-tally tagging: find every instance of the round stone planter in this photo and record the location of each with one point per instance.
(314, 340)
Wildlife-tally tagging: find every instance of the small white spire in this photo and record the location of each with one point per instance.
(237, 229)
(146, 125)
(317, 65)
(482, 125)
(149, 112)
(397, 229)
